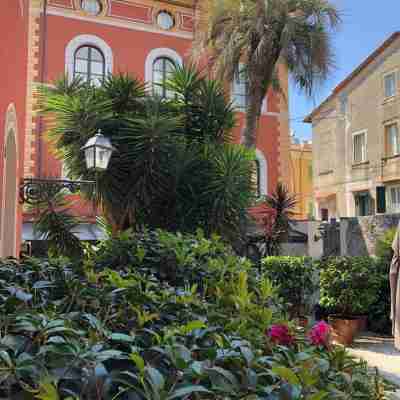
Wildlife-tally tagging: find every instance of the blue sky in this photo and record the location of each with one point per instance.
(365, 25)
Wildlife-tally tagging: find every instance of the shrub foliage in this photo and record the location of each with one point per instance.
(349, 285)
(295, 279)
(158, 316)
(380, 310)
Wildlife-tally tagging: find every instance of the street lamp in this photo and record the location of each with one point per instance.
(98, 151)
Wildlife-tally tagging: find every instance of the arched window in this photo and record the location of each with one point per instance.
(261, 174)
(240, 90)
(89, 64)
(162, 70)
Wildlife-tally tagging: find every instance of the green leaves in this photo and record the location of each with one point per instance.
(89, 333)
(47, 391)
(186, 391)
(295, 280)
(349, 285)
(56, 225)
(139, 362)
(286, 374)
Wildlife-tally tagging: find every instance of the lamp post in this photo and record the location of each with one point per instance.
(98, 151)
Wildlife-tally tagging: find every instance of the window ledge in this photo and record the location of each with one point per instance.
(326, 172)
(390, 99)
(387, 158)
(360, 164)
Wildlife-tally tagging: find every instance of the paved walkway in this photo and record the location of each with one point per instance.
(379, 352)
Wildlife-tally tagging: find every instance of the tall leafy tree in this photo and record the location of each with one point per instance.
(254, 36)
(174, 167)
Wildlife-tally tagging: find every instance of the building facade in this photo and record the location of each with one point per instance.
(356, 148)
(301, 182)
(93, 38)
(14, 22)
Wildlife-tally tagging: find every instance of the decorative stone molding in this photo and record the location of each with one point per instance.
(87, 40)
(10, 180)
(105, 7)
(263, 172)
(120, 22)
(33, 10)
(157, 53)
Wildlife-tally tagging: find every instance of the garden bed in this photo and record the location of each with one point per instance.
(164, 317)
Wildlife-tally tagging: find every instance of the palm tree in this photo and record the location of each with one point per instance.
(254, 36)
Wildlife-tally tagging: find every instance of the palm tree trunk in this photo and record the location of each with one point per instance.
(260, 77)
(253, 111)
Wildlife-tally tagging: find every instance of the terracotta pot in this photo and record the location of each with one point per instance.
(362, 323)
(344, 329)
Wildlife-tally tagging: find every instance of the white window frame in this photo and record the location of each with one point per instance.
(87, 40)
(264, 106)
(396, 84)
(359, 133)
(385, 127)
(262, 160)
(390, 206)
(153, 55)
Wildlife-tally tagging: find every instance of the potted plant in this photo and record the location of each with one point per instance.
(348, 287)
(296, 280)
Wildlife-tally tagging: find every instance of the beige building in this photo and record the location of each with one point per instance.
(356, 140)
(301, 175)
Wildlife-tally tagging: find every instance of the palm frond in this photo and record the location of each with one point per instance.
(56, 224)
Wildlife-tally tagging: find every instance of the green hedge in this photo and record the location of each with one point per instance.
(295, 279)
(349, 285)
(379, 311)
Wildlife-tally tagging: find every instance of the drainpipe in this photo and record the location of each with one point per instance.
(42, 79)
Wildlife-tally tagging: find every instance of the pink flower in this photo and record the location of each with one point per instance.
(320, 334)
(279, 334)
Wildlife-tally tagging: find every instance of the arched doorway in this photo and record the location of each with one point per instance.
(10, 188)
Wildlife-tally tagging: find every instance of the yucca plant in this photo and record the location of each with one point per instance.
(173, 168)
(56, 223)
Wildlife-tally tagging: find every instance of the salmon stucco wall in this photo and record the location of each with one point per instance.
(14, 18)
(129, 39)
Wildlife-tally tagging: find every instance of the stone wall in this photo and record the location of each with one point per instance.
(359, 235)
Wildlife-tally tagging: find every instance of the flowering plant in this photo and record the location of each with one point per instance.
(280, 334)
(320, 334)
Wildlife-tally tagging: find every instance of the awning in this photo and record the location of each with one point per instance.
(82, 231)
